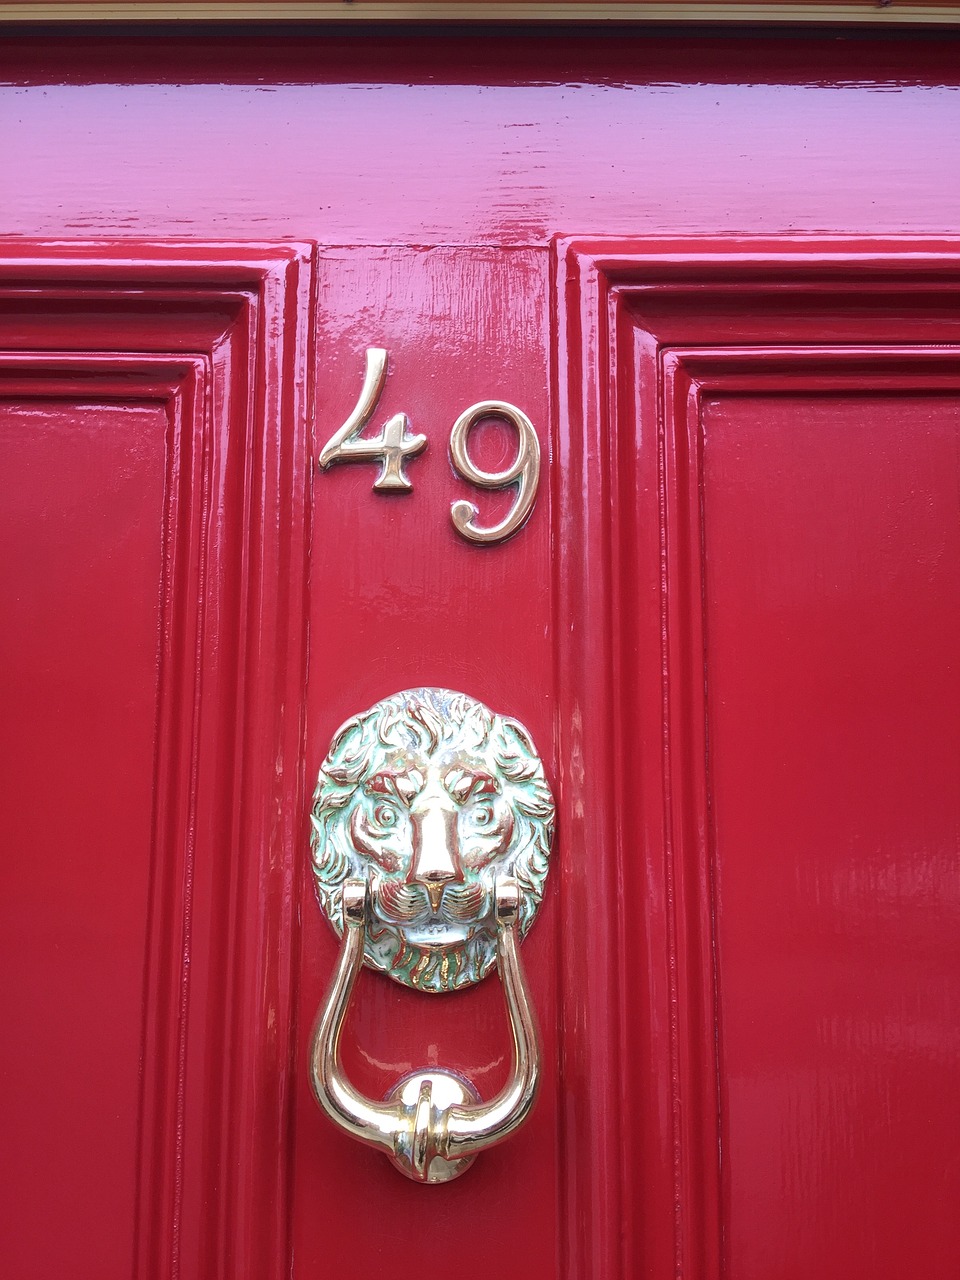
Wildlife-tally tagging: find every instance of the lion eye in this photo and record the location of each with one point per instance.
(385, 815)
(482, 815)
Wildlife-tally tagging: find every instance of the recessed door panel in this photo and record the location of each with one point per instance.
(82, 547)
(831, 549)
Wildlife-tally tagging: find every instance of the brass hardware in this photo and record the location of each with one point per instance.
(393, 445)
(432, 825)
(433, 1124)
(430, 795)
(524, 471)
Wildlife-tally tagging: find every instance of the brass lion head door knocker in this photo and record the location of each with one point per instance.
(432, 826)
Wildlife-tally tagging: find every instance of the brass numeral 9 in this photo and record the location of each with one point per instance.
(524, 471)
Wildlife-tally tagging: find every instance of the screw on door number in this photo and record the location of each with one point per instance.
(395, 445)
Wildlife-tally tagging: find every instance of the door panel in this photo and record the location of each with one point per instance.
(154, 441)
(78, 781)
(832, 554)
(789, 732)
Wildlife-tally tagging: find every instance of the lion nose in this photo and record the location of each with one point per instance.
(436, 858)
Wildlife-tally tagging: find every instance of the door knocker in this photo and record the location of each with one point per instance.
(432, 825)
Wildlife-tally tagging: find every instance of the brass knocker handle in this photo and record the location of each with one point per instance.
(433, 1123)
(432, 824)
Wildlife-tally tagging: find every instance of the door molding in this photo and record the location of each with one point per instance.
(217, 335)
(646, 330)
(480, 11)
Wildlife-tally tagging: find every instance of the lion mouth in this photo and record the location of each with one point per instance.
(400, 903)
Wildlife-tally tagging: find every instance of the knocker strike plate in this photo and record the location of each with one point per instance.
(429, 797)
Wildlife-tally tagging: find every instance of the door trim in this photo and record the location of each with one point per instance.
(218, 336)
(453, 12)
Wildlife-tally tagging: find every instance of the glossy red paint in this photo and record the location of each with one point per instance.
(729, 625)
(782, 765)
(155, 448)
(495, 140)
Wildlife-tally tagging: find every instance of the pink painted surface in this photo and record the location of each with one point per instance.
(424, 141)
(81, 640)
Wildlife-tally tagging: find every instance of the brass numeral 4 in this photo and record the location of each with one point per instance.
(390, 448)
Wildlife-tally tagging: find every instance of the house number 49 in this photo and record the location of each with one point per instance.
(395, 444)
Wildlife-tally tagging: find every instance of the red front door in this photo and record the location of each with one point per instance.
(730, 624)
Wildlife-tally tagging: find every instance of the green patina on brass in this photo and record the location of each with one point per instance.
(430, 796)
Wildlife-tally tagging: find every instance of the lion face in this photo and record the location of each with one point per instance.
(429, 796)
